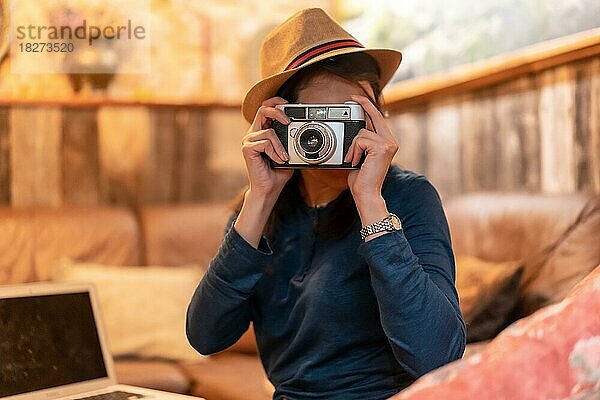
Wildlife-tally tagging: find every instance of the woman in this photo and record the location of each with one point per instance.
(335, 317)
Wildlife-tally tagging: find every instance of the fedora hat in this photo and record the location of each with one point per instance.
(305, 38)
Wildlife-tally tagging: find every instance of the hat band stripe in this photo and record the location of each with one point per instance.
(320, 49)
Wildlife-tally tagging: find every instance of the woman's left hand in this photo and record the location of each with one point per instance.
(380, 146)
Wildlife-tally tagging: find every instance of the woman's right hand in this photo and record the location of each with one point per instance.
(265, 183)
(261, 140)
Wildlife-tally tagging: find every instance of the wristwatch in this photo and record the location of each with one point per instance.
(388, 224)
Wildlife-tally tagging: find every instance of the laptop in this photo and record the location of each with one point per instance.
(53, 346)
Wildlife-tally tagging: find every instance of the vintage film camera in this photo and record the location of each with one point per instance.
(319, 135)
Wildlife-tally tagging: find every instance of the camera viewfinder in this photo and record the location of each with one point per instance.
(296, 112)
(317, 113)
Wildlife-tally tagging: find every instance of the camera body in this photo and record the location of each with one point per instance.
(319, 135)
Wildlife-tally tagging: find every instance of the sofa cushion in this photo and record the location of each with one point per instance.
(509, 226)
(551, 273)
(552, 354)
(488, 294)
(229, 376)
(183, 235)
(98, 235)
(32, 241)
(153, 374)
(17, 240)
(144, 308)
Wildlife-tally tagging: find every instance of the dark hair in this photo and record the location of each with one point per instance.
(355, 68)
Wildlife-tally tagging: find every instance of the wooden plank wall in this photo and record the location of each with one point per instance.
(538, 133)
(5, 167)
(126, 155)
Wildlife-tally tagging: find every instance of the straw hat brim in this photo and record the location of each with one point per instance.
(388, 60)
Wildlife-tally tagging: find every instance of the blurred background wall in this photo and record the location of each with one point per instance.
(524, 118)
(536, 132)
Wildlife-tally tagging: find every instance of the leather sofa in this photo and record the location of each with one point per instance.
(491, 226)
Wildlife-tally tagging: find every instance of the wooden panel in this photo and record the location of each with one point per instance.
(410, 131)
(517, 136)
(557, 130)
(488, 141)
(81, 165)
(468, 140)
(479, 142)
(509, 140)
(226, 128)
(539, 133)
(4, 156)
(195, 179)
(162, 169)
(594, 124)
(582, 128)
(212, 167)
(124, 149)
(36, 161)
(443, 149)
(529, 129)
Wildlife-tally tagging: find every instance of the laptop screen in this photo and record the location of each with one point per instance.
(48, 341)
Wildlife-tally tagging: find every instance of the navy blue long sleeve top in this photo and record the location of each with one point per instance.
(342, 319)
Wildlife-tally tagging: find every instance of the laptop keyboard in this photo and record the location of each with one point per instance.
(116, 395)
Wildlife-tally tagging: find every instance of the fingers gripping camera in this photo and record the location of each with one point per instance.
(319, 135)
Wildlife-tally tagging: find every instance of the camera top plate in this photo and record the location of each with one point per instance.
(348, 111)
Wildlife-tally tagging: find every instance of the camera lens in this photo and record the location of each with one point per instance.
(311, 141)
(314, 143)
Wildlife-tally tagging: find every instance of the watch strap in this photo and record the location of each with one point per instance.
(385, 225)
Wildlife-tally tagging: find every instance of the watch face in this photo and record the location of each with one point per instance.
(396, 222)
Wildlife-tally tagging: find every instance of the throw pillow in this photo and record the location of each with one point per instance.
(488, 293)
(552, 354)
(143, 308)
